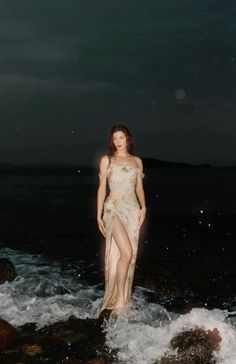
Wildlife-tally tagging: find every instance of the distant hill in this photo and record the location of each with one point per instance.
(155, 163)
(66, 169)
(43, 169)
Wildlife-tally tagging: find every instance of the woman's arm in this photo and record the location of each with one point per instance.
(139, 184)
(101, 193)
(140, 191)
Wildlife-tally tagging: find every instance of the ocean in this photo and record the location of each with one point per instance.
(185, 272)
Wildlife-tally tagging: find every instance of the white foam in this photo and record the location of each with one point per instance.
(45, 293)
(141, 341)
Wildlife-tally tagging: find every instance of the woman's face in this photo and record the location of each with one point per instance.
(119, 140)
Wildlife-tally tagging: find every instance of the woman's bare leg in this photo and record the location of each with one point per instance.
(123, 243)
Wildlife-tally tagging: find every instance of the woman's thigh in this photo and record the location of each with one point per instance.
(121, 238)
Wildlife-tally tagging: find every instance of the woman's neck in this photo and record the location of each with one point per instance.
(122, 155)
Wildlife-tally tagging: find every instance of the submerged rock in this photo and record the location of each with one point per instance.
(105, 314)
(195, 346)
(197, 342)
(32, 349)
(8, 334)
(7, 271)
(68, 360)
(75, 341)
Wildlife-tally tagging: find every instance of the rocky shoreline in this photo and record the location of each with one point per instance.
(78, 341)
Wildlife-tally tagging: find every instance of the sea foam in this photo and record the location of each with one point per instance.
(44, 292)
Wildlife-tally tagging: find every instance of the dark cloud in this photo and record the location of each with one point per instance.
(82, 65)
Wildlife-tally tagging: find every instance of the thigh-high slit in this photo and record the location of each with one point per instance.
(123, 244)
(127, 213)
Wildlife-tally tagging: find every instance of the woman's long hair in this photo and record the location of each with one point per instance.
(129, 139)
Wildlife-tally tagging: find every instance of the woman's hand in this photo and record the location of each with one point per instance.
(141, 216)
(101, 226)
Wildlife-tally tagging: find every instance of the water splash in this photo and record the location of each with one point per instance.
(45, 293)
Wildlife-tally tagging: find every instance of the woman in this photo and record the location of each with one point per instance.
(121, 216)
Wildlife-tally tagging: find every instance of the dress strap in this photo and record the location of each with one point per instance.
(142, 175)
(103, 176)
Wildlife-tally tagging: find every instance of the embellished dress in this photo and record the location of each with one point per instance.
(122, 180)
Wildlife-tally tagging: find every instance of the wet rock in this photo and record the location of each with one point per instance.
(83, 349)
(85, 340)
(32, 349)
(27, 329)
(194, 347)
(198, 341)
(74, 341)
(54, 347)
(7, 271)
(11, 355)
(8, 334)
(78, 361)
(68, 336)
(45, 347)
(70, 361)
(105, 314)
(35, 347)
(75, 329)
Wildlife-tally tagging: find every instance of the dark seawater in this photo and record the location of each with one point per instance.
(185, 266)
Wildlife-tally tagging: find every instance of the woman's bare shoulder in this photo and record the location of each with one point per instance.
(104, 161)
(138, 160)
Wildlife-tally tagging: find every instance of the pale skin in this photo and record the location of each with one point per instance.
(118, 231)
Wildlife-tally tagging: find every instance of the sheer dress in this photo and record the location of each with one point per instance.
(122, 202)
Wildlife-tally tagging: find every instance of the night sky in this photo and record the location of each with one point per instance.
(71, 69)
